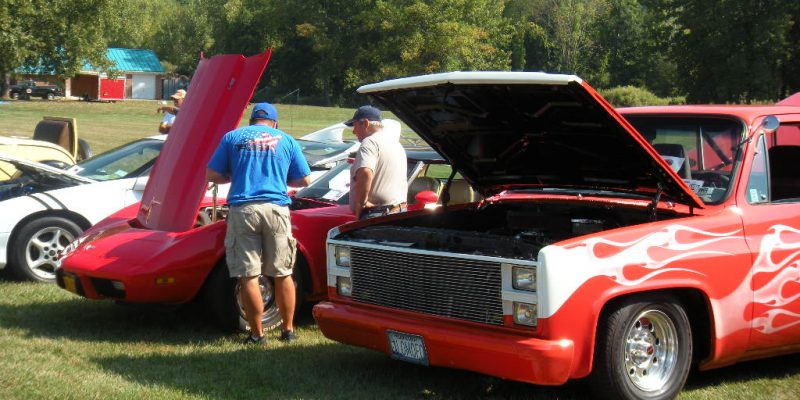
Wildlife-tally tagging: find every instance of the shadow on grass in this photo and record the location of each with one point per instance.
(768, 368)
(82, 319)
(89, 320)
(318, 371)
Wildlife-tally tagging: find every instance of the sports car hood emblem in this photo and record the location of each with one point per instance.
(510, 129)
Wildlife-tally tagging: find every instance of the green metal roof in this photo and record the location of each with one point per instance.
(124, 60)
(134, 60)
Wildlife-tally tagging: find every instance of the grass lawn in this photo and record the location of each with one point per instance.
(56, 345)
(107, 125)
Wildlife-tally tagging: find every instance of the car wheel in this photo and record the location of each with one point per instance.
(644, 350)
(36, 247)
(50, 96)
(14, 95)
(221, 299)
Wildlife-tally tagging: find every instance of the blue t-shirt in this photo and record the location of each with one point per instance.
(260, 161)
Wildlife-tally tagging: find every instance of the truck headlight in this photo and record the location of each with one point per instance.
(525, 314)
(342, 256)
(524, 278)
(344, 286)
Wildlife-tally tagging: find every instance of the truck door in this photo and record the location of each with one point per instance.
(771, 215)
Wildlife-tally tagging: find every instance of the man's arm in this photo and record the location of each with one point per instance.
(164, 128)
(216, 177)
(363, 185)
(301, 182)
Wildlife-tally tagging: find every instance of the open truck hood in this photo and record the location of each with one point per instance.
(217, 97)
(504, 130)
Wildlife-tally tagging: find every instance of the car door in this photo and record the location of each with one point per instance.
(771, 216)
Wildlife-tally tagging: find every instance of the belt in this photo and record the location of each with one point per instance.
(392, 208)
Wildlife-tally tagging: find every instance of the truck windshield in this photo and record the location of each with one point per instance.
(702, 150)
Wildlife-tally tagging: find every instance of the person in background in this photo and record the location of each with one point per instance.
(170, 112)
(378, 182)
(260, 161)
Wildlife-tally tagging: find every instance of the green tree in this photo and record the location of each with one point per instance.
(560, 36)
(731, 51)
(54, 36)
(182, 32)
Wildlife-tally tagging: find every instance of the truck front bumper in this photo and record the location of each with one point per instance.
(486, 350)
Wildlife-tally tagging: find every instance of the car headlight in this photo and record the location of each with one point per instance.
(344, 286)
(525, 314)
(524, 278)
(342, 256)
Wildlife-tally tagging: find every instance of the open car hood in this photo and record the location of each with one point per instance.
(217, 97)
(504, 130)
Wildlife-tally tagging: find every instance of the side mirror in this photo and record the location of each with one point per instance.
(770, 123)
(426, 197)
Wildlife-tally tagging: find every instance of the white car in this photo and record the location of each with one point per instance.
(45, 208)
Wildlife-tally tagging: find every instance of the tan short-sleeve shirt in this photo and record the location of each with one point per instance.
(385, 156)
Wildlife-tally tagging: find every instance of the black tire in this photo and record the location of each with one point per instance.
(84, 150)
(49, 96)
(221, 299)
(36, 246)
(643, 350)
(14, 95)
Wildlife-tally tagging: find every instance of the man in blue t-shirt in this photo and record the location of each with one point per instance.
(260, 161)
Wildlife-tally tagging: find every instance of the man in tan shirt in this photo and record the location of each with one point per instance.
(378, 182)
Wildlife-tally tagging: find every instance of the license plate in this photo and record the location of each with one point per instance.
(69, 283)
(406, 347)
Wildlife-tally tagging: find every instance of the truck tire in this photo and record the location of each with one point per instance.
(49, 96)
(643, 350)
(14, 95)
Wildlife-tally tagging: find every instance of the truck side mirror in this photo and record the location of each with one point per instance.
(426, 197)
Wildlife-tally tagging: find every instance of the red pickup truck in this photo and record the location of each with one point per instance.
(621, 245)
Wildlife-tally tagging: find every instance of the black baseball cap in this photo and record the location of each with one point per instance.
(369, 113)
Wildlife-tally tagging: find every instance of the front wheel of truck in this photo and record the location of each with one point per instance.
(643, 349)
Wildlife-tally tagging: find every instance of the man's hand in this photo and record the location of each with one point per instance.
(302, 182)
(216, 177)
(167, 109)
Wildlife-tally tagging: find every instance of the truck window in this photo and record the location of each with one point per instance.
(784, 169)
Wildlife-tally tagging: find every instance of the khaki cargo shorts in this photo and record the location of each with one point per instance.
(259, 241)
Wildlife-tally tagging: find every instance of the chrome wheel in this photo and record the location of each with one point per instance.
(271, 312)
(651, 347)
(643, 349)
(43, 249)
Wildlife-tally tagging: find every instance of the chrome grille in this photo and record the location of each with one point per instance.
(460, 288)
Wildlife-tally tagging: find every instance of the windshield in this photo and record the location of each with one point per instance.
(701, 150)
(127, 161)
(322, 149)
(19, 180)
(334, 186)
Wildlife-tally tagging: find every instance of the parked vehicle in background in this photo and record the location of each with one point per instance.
(625, 246)
(45, 208)
(55, 142)
(27, 89)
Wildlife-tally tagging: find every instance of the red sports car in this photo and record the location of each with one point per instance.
(167, 250)
(118, 259)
